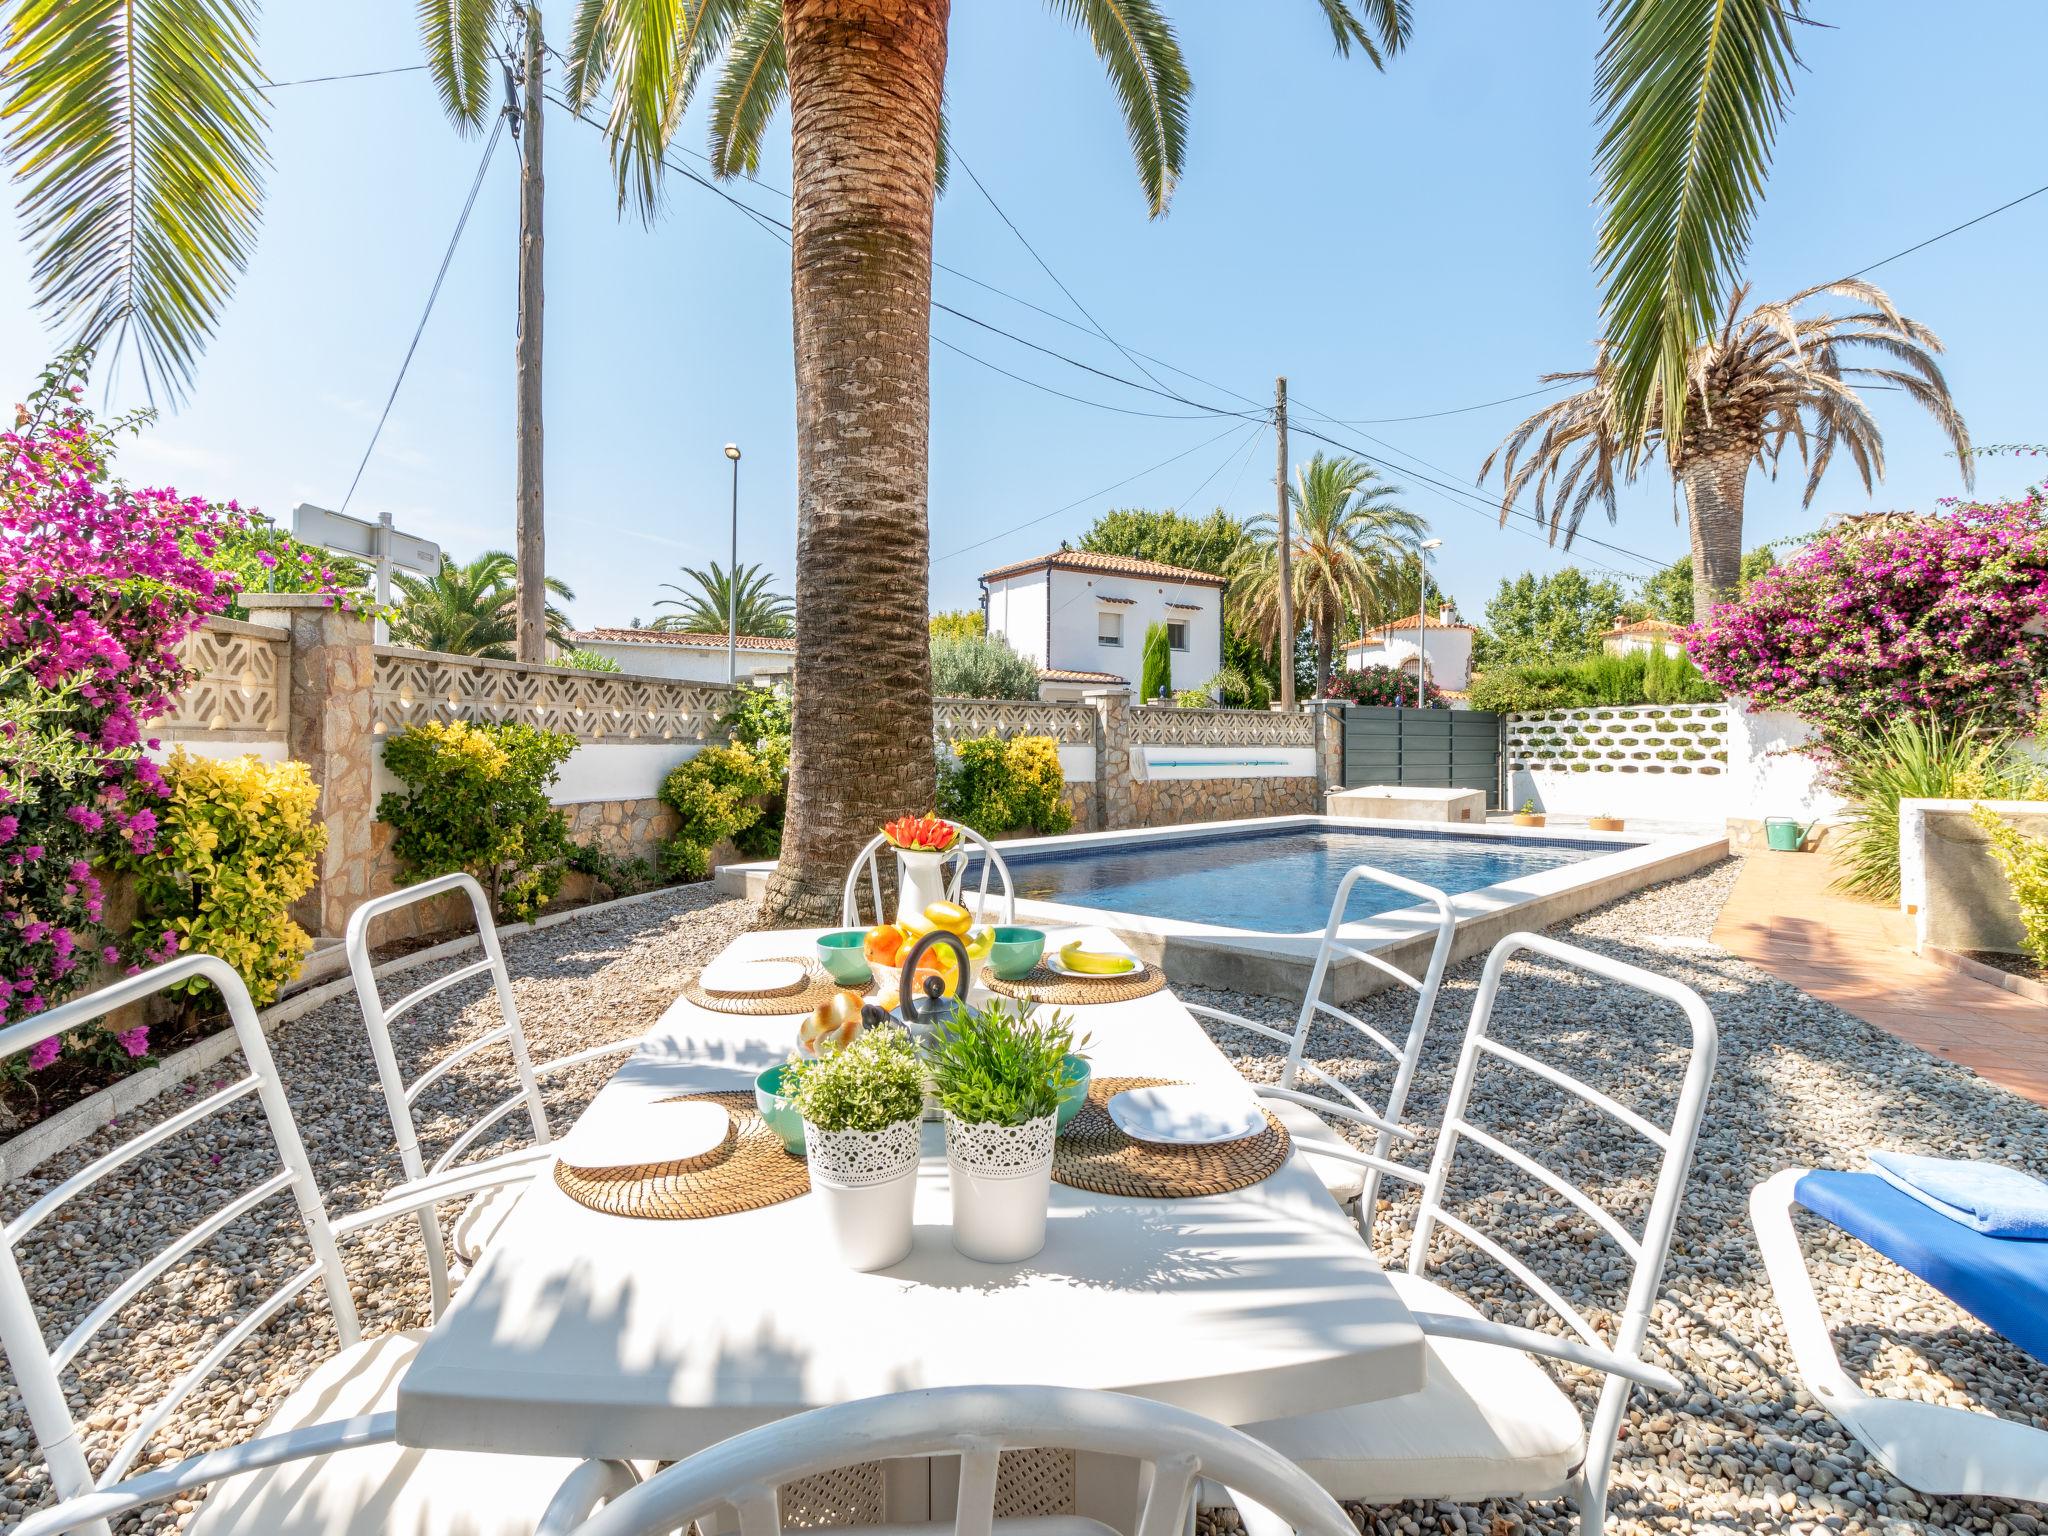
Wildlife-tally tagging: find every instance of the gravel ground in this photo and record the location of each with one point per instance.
(1799, 1082)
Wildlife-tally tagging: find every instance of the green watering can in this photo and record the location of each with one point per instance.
(1784, 835)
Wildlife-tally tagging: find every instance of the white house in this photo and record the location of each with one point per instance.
(693, 657)
(1444, 644)
(1643, 635)
(1082, 618)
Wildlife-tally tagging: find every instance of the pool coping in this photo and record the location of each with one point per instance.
(1278, 964)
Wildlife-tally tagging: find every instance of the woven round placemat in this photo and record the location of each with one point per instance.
(1041, 984)
(1091, 1153)
(817, 989)
(751, 1169)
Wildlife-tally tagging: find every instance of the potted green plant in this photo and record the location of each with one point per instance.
(862, 1108)
(998, 1073)
(1528, 815)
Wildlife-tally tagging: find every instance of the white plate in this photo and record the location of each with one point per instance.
(646, 1133)
(752, 978)
(1052, 962)
(1186, 1114)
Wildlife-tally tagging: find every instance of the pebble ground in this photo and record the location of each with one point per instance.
(1800, 1082)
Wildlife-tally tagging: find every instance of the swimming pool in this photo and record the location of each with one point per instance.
(1280, 880)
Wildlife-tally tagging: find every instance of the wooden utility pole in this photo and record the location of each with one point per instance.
(1286, 551)
(529, 501)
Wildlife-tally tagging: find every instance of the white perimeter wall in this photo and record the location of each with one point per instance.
(694, 664)
(1224, 762)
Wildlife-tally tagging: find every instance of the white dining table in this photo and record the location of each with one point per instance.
(585, 1334)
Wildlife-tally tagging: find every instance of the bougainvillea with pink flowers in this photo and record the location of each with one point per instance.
(99, 585)
(1381, 684)
(1943, 615)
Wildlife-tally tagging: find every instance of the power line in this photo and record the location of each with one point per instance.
(1909, 250)
(360, 74)
(1100, 405)
(1460, 410)
(1079, 501)
(433, 293)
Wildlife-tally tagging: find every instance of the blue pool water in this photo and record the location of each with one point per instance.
(1281, 881)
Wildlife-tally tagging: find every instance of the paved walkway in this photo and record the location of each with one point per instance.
(1784, 918)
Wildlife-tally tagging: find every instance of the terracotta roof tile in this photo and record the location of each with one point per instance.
(688, 639)
(1069, 675)
(1109, 565)
(1429, 622)
(1645, 627)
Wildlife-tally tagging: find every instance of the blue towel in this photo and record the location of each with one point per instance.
(1985, 1197)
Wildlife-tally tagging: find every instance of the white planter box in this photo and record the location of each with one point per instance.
(1001, 1177)
(864, 1184)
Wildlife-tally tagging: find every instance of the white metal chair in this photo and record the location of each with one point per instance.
(481, 1217)
(1302, 1112)
(327, 1464)
(977, 1424)
(1491, 1423)
(1940, 1450)
(968, 843)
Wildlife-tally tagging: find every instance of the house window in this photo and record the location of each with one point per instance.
(1177, 634)
(1109, 628)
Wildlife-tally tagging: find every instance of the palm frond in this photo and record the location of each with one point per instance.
(1135, 43)
(1390, 18)
(134, 129)
(1691, 93)
(457, 36)
(755, 79)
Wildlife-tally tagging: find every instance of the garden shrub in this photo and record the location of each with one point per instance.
(1624, 681)
(1916, 757)
(1194, 698)
(1382, 685)
(761, 717)
(612, 875)
(587, 661)
(1239, 689)
(1156, 678)
(966, 666)
(1937, 616)
(477, 800)
(718, 795)
(236, 845)
(2024, 860)
(997, 786)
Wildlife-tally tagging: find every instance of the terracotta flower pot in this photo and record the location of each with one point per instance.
(1528, 818)
(1605, 823)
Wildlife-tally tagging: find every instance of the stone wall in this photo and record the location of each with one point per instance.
(1172, 802)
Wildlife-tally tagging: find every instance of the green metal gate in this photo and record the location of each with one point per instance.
(1427, 748)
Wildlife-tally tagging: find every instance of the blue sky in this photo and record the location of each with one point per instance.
(1396, 244)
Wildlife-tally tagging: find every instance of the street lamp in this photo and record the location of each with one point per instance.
(732, 576)
(1422, 550)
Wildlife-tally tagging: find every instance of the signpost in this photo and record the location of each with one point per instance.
(381, 544)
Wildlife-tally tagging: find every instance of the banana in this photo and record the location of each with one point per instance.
(1088, 963)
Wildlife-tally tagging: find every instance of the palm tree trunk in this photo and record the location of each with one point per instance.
(865, 78)
(1714, 486)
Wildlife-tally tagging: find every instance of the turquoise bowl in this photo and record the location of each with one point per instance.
(840, 954)
(1015, 951)
(1074, 1095)
(779, 1113)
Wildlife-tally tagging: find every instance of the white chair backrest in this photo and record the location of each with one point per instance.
(1406, 1053)
(1646, 1253)
(966, 845)
(399, 1095)
(977, 1424)
(37, 1368)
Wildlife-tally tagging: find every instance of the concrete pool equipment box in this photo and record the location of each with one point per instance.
(1241, 904)
(1381, 802)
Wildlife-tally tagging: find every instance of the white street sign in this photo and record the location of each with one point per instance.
(381, 544)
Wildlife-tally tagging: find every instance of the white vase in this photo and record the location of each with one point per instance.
(1001, 1177)
(863, 1184)
(920, 881)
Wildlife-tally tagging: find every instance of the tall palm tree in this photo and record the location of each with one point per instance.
(864, 80)
(745, 593)
(471, 610)
(1766, 378)
(1349, 537)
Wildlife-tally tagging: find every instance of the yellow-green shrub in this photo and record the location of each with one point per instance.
(720, 793)
(998, 786)
(236, 845)
(2025, 862)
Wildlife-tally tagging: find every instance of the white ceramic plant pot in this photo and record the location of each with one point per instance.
(863, 1184)
(1001, 1177)
(920, 881)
